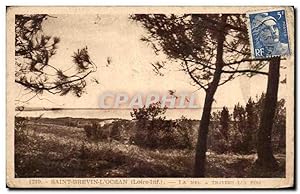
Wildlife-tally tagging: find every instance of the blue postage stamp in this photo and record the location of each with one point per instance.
(268, 34)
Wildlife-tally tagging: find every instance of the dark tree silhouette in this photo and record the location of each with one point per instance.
(242, 132)
(33, 51)
(224, 122)
(245, 124)
(280, 123)
(251, 126)
(239, 118)
(266, 159)
(212, 50)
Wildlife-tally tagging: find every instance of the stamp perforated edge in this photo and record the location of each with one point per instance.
(250, 33)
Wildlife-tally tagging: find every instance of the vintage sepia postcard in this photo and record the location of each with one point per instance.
(150, 97)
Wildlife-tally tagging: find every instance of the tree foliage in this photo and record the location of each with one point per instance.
(191, 40)
(224, 122)
(243, 125)
(153, 130)
(211, 48)
(33, 67)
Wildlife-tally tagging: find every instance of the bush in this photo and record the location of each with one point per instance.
(91, 130)
(149, 125)
(184, 129)
(116, 130)
(154, 131)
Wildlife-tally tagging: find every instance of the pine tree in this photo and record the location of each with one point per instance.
(33, 52)
(200, 43)
(224, 121)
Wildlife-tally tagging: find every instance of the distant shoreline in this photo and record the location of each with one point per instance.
(58, 109)
(101, 113)
(85, 119)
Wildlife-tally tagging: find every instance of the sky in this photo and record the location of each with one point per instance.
(130, 71)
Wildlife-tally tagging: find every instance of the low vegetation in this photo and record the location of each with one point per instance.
(54, 148)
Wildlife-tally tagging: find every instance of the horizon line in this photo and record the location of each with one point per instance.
(81, 108)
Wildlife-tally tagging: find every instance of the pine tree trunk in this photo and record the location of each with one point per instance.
(201, 147)
(265, 155)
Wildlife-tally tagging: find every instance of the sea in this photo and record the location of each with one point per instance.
(104, 114)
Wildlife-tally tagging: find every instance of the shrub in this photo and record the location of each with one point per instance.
(116, 130)
(184, 129)
(154, 131)
(91, 130)
(149, 124)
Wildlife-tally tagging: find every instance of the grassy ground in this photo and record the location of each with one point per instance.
(50, 150)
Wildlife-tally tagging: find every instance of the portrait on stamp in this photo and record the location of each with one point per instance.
(269, 34)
